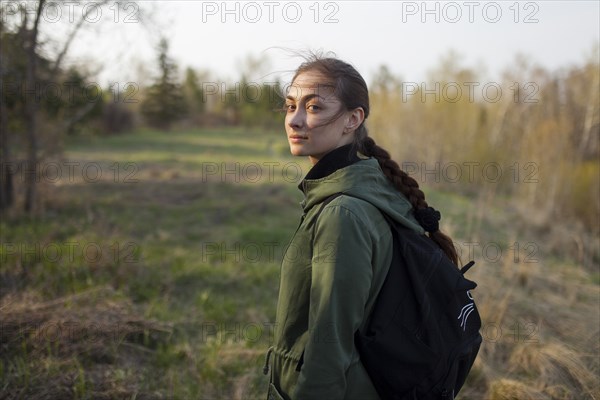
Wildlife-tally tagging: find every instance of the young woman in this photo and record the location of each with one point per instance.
(340, 254)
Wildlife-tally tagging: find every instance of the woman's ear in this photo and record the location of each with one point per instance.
(357, 116)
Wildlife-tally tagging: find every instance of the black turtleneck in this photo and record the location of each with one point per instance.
(336, 159)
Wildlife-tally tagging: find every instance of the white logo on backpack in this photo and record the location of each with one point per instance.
(466, 311)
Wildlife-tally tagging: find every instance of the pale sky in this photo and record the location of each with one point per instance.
(409, 37)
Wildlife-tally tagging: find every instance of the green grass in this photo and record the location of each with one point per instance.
(175, 293)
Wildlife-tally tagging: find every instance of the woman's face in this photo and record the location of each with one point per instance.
(309, 124)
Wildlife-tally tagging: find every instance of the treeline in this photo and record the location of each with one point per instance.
(84, 107)
(532, 138)
(199, 100)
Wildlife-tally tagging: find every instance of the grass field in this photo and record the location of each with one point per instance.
(152, 273)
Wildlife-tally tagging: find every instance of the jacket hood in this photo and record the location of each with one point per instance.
(365, 180)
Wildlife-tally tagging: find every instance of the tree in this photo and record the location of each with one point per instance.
(31, 60)
(164, 102)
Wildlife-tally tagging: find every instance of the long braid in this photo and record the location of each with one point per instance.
(407, 185)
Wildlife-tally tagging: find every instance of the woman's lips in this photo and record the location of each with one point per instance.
(297, 139)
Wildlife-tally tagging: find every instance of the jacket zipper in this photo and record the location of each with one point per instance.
(297, 228)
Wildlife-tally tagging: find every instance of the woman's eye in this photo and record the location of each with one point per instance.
(290, 107)
(313, 107)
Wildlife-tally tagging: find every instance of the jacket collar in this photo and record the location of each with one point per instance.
(344, 170)
(336, 159)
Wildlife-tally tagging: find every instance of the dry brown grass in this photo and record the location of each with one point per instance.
(46, 344)
(508, 389)
(541, 332)
(555, 370)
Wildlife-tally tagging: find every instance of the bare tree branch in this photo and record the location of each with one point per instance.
(71, 36)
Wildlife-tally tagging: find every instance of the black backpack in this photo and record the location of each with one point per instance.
(423, 333)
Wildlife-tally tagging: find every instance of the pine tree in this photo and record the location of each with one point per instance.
(164, 102)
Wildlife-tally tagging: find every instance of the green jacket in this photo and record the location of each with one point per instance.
(331, 274)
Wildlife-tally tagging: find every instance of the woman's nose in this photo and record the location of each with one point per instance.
(297, 120)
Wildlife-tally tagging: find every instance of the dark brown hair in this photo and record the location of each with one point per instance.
(351, 89)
